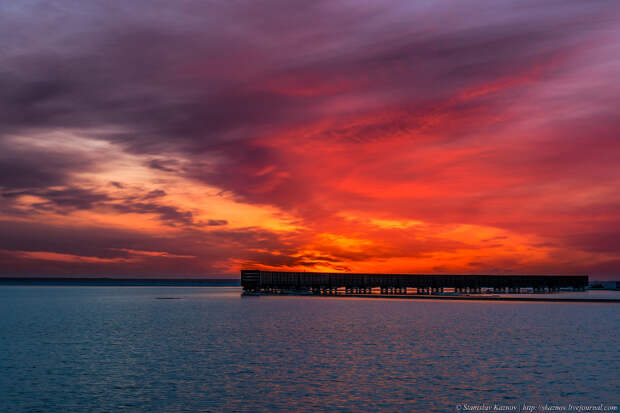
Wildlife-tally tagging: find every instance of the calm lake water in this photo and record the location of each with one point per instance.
(96, 349)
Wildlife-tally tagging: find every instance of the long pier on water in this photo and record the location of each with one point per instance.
(321, 283)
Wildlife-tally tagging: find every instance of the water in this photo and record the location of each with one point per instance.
(96, 349)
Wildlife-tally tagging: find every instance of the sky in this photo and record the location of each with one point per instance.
(196, 138)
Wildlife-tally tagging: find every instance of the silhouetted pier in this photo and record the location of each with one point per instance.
(403, 284)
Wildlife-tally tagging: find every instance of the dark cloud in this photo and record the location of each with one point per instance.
(68, 199)
(169, 214)
(72, 198)
(27, 168)
(163, 165)
(62, 200)
(216, 222)
(155, 193)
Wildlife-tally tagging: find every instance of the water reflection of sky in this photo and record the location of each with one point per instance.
(103, 348)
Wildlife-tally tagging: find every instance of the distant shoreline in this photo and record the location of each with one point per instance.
(122, 282)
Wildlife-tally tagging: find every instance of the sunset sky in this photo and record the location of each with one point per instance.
(195, 138)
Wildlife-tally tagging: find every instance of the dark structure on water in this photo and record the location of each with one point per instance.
(400, 284)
